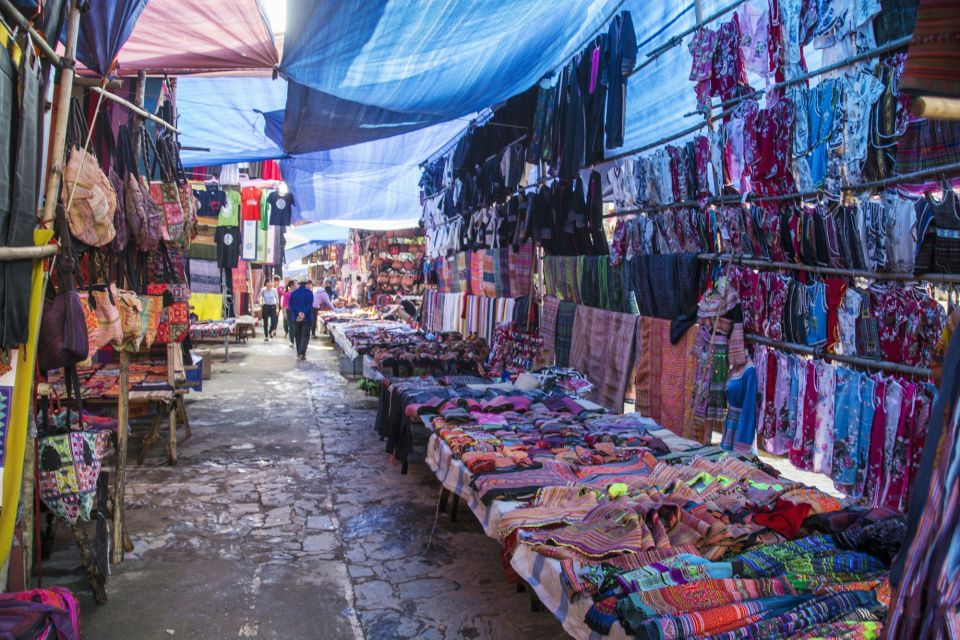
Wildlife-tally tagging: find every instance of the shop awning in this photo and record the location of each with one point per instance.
(424, 62)
(193, 36)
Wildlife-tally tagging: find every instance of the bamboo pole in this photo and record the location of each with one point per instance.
(58, 152)
(8, 254)
(137, 110)
(139, 98)
(120, 476)
(41, 43)
(937, 108)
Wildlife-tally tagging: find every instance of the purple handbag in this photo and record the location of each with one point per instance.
(63, 332)
(62, 339)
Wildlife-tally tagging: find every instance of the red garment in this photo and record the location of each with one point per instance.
(785, 517)
(250, 203)
(271, 170)
(835, 290)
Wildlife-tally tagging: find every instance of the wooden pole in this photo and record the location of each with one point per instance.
(137, 110)
(937, 108)
(138, 99)
(58, 151)
(28, 253)
(120, 477)
(17, 18)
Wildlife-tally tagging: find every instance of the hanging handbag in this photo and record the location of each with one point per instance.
(143, 217)
(62, 339)
(152, 310)
(174, 323)
(130, 308)
(167, 191)
(117, 176)
(89, 200)
(68, 468)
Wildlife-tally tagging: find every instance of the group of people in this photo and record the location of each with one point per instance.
(300, 303)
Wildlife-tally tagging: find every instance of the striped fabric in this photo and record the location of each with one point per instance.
(548, 327)
(502, 273)
(664, 376)
(566, 316)
(933, 59)
(521, 263)
(603, 343)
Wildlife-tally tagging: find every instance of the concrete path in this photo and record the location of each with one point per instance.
(284, 519)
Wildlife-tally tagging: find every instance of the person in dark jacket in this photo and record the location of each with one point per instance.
(301, 312)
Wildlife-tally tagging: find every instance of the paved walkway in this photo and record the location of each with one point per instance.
(284, 519)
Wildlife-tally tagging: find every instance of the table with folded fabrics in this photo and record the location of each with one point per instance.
(355, 337)
(417, 354)
(212, 330)
(624, 529)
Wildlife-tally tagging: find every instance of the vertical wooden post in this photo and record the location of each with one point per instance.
(139, 97)
(120, 477)
(58, 150)
(172, 413)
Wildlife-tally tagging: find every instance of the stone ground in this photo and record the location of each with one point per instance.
(285, 519)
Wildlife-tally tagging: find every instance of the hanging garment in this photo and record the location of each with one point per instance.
(739, 429)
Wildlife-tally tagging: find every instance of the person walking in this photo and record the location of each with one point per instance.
(269, 302)
(321, 302)
(301, 308)
(285, 304)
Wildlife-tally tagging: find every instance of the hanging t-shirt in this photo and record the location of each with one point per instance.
(250, 203)
(211, 200)
(230, 212)
(280, 208)
(228, 247)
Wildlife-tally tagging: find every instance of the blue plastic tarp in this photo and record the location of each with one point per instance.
(316, 121)
(373, 185)
(228, 116)
(426, 61)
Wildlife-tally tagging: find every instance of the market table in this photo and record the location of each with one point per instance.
(541, 573)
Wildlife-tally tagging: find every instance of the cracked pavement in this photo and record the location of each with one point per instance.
(285, 519)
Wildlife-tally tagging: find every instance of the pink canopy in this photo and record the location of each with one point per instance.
(195, 36)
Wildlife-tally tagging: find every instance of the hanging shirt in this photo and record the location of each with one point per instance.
(228, 246)
(229, 215)
(212, 200)
(250, 203)
(280, 208)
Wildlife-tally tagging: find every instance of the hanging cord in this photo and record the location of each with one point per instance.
(86, 147)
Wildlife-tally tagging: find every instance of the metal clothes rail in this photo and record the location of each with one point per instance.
(867, 363)
(940, 278)
(655, 53)
(735, 102)
(944, 170)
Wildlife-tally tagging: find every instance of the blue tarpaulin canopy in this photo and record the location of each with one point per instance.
(359, 74)
(227, 116)
(369, 185)
(424, 62)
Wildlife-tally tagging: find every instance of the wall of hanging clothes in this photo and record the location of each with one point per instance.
(471, 315)
(502, 273)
